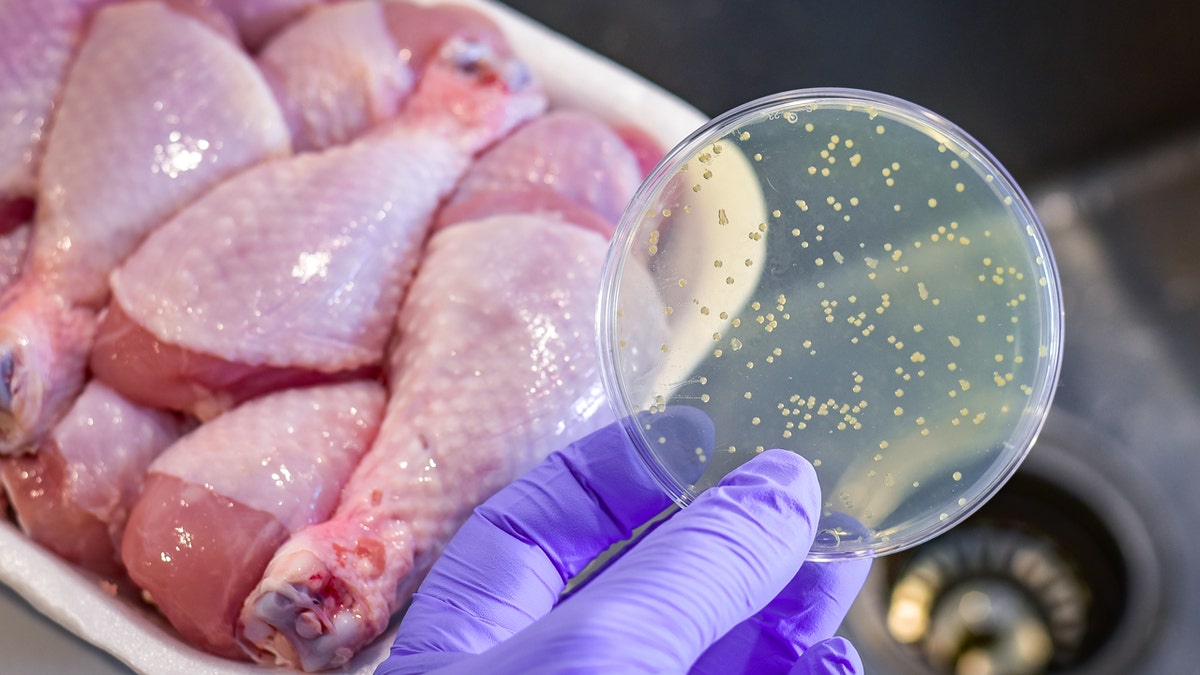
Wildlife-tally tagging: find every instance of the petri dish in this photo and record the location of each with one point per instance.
(848, 276)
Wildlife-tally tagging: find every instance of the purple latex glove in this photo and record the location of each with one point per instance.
(720, 587)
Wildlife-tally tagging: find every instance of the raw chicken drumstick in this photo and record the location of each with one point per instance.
(294, 271)
(157, 109)
(344, 68)
(221, 500)
(73, 496)
(493, 368)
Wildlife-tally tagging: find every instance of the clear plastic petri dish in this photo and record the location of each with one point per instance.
(848, 276)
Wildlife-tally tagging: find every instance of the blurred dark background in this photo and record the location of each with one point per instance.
(1044, 85)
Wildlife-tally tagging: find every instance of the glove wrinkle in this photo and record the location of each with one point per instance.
(814, 603)
(835, 656)
(747, 649)
(519, 576)
(437, 638)
(479, 595)
(420, 664)
(807, 612)
(623, 527)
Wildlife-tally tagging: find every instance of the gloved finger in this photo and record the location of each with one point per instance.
(835, 656)
(510, 561)
(808, 610)
(709, 567)
(815, 602)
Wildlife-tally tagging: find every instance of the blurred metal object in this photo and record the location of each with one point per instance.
(989, 599)
(1110, 489)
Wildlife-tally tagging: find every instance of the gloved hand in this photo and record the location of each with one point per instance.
(720, 587)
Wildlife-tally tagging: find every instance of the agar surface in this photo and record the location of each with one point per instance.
(889, 330)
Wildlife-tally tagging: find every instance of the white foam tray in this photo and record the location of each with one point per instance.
(131, 632)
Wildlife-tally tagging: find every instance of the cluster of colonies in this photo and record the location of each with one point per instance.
(895, 378)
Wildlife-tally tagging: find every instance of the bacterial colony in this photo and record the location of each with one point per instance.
(855, 287)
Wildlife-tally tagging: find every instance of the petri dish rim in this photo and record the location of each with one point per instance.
(1050, 329)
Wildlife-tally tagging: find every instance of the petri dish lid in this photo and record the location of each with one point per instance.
(848, 276)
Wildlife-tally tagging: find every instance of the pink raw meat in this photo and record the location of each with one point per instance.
(37, 41)
(74, 495)
(297, 268)
(14, 212)
(336, 72)
(645, 147)
(13, 246)
(567, 162)
(222, 499)
(344, 68)
(156, 110)
(254, 21)
(494, 367)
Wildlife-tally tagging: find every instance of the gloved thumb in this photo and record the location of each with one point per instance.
(695, 577)
(835, 656)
